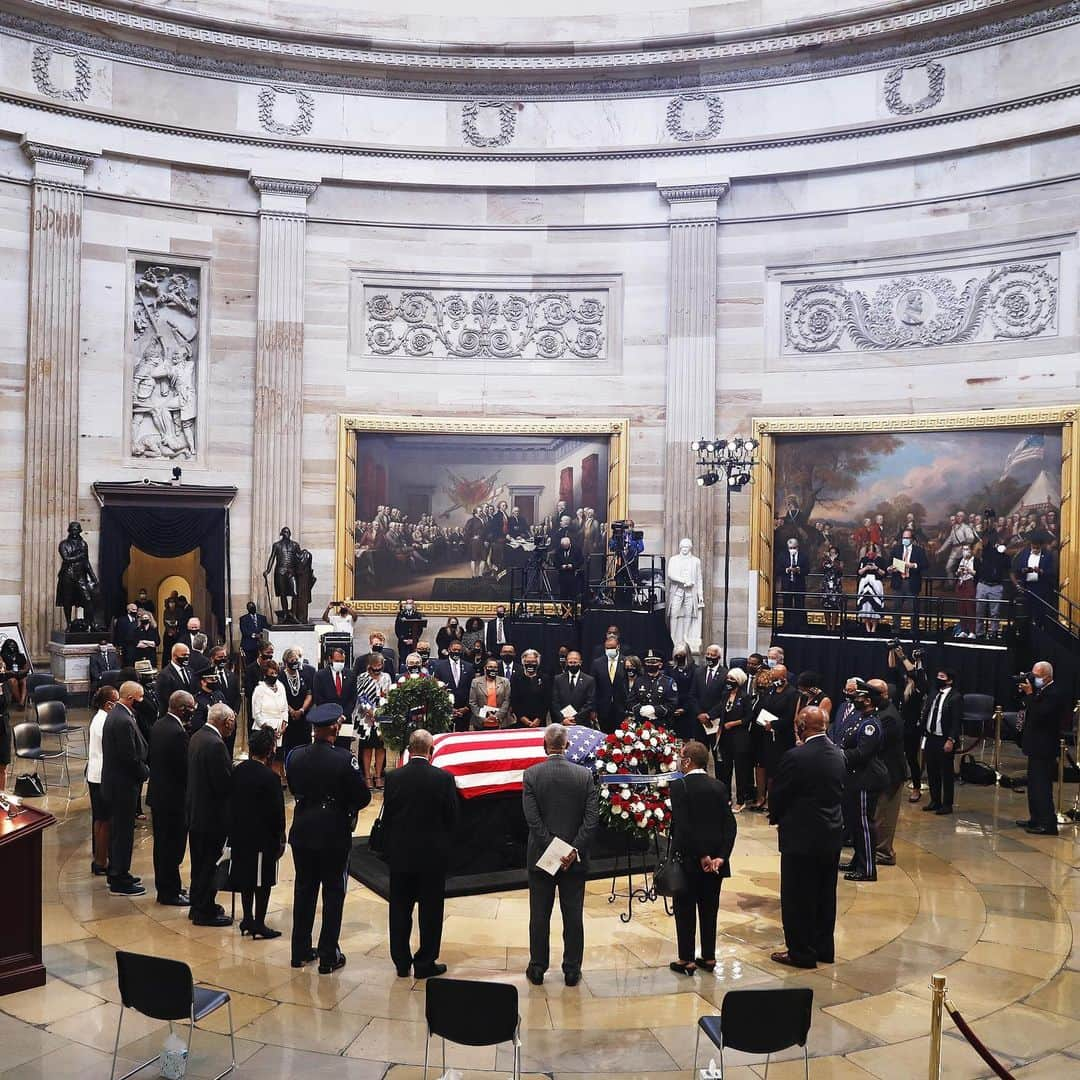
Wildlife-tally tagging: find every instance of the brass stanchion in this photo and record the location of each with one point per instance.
(1061, 818)
(999, 719)
(937, 1007)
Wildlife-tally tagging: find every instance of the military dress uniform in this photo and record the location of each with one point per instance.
(861, 738)
(329, 788)
(659, 691)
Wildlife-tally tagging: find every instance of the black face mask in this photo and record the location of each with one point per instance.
(507, 659)
(184, 661)
(680, 661)
(251, 609)
(653, 669)
(412, 669)
(425, 654)
(455, 656)
(492, 673)
(573, 668)
(530, 669)
(294, 664)
(270, 680)
(712, 661)
(376, 648)
(731, 685)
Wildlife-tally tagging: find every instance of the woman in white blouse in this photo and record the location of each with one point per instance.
(269, 706)
(104, 700)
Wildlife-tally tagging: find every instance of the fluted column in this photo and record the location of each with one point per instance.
(279, 368)
(51, 496)
(690, 386)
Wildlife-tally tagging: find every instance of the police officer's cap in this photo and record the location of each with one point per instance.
(861, 686)
(325, 715)
(652, 654)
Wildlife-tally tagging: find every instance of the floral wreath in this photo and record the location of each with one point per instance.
(636, 750)
(414, 701)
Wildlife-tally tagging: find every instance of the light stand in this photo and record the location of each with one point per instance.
(730, 460)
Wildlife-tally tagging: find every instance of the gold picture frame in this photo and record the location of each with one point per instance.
(616, 429)
(766, 429)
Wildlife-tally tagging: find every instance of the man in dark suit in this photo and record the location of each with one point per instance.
(783, 703)
(252, 626)
(254, 673)
(107, 658)
(197, 659)
(125, 634)
(792, 573)
(228, 684)
(334, 685)
(192, 626)
(611, 686)
(887, 810)
(167, 795)
(573, 689)
(377, 644)
(559, 800)
(123, 769)
(707, 696)
(1034, 573)
(496, 631)
(509, 665)
(943, 719)
(804, 802)
(1046, 713)
(207, 804)
(176, 675)
(408, 626)
(457, 673)
(907, 583)
(420, 813)
(703, 833)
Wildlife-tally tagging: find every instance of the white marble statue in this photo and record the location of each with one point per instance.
(685, 599)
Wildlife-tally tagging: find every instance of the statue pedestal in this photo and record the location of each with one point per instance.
(69, 660)
(303, 635)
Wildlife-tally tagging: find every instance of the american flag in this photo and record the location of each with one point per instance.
(492, 762)
(1029, 448)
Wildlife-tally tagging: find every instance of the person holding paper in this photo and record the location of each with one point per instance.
(702, 834)
(573, 693)
(489, 698)
(908, 562)
(530, 693)
(1035, 576)
(560, 803)
(871, 590)
(708, 696)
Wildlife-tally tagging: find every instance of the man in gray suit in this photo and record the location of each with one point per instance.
(559, 800)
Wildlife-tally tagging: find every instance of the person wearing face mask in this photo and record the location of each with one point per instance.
(127, 626)
(167, 793)
(489, 698)
(887, 811)
(943, 715)
(792, 573)
(966, 571)
(457, 674)
(296, 681)
(176, 675)
(707, 698)
(1047, 710)
(408, 626)
(758, 693)
(252, 627)
(991, 573)
(573, 689)
(652, 687)
(530, 693)
(733, 751)
(861, 739)
(568, 563)
(497, 632)
(783, 703)
(253, 672)
(377, 646)
(754, 663)
(104, 658)
(448, 634)
(1034, 573)
(207, 695)
(146, 640)
(269, 705)
(334, 685)
(682, 669)
(609, 674)
(908, 563)
(371, 690)
(423, 650)
(509, 665)
(774, 657)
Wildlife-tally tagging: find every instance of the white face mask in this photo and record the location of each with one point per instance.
(611, 653)
(772, 663)
(906, 541)
(1039, 682)
(338, 665)
(1001, 549)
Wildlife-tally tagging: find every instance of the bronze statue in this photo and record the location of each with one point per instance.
(285, 562)
(76, 584)
(305, 582)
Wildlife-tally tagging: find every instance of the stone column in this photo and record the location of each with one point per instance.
(690, 388)
(279, 369)
(51, 497)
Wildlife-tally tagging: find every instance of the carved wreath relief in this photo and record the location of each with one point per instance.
(165, 361)
(713, 119)
(449, 323)
(303, 103)
(470, 122)
(41, 70)
(1010, 301)
(935, 89)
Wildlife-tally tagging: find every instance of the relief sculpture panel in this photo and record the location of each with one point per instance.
(165, 360)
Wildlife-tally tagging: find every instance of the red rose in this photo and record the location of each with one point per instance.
(612, 739)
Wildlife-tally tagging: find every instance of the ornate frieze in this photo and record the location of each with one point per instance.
(165, 360)
(935, 88)
(470, 122)
(41, 66)
(538, 324)
(712, 121)
(297, 103)
(1008, 301)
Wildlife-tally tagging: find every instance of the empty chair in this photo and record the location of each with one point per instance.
(113, 677)
(978, 715)
(28, 747)
(164, 990)
(52, 720)
(49, 692)
(36, 680)
(759, 1022)
(472, 1014)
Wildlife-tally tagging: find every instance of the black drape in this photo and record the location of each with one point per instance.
(166, 533)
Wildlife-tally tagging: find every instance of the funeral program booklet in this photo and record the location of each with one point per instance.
(551, 861)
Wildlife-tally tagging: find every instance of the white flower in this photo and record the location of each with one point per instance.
(624, 813)
(401, 679)
(633, 762)
(611, 767)
(450, 698)
(604, 793)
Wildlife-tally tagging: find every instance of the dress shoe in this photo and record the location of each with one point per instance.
(943, 811)
(885, 860)
(174, 901)
(1026, 824)
(573, 978)
(328, 967)
(931, 807)
(98, 871)
(534, 975)
(858, 875)
(844, 867)
(404, 972)
(430, 972)
(1039, 830)
(785, 959)
(212, 920)
(246, 926)
(124, 888)
(262, 932)
(304, 958)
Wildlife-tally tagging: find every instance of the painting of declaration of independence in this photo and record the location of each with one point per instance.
(447, 517)
(851, 491)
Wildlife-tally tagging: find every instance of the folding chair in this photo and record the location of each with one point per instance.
(472, 1014)
(28, 747)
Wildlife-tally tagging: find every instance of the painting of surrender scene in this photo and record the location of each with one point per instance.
(446, 517)
(852, 490)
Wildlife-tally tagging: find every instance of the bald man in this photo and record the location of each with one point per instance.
(123, 770)
(167, 793)
(1046, 713)
(805, 802)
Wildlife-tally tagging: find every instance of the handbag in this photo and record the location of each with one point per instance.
(29, 786)
(670, 878)
(377, 837)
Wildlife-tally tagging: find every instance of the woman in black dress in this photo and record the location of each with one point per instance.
(297, 681)
(170, 628)
(832, 587)
(256, 832)
(447, 634)
(15, 668)
(760, 739)
(733, 749)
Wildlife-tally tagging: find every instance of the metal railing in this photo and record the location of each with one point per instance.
(939, 1005)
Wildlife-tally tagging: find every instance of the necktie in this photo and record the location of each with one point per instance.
(935, 720)
(499, 637)
(611, 670)
(708, 676)
(455, 672)
(793, 558)
(573, 681)
(184, 676)
(337, 682)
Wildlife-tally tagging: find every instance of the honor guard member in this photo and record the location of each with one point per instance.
(859, 735)
(329, 788)
(655, 688)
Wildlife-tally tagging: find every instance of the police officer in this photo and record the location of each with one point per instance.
(330, 791)
(655, 688)
(861, 738)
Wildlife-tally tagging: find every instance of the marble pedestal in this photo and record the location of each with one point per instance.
(70, 664)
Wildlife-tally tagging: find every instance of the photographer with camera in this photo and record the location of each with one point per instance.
(1046, 713)
(627, 543)
(910, 695)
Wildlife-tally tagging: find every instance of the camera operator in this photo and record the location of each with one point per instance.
(911, 694)
(628, 544)
(1046, 709)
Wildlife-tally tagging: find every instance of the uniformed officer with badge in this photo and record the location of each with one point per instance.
(861, 738)
(655, 688)
(329, 788)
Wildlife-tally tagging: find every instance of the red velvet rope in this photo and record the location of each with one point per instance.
(977, 1044)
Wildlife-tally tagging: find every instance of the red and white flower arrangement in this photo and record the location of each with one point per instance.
(636, 748)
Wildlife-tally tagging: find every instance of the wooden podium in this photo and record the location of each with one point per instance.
(20, 872)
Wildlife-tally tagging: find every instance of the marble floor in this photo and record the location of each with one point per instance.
(996, 910)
